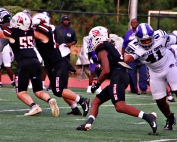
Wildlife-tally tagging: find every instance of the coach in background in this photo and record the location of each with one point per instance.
(66, 35)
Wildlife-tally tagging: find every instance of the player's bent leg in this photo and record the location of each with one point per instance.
(93, 113)
(122, 107)
(52, 102)
(25, 98)
(84, 102)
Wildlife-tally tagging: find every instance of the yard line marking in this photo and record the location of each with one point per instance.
(161, 140)
(12, 110)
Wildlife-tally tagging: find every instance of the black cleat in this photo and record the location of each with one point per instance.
(172, 100)
(170, 123)
(74, 112)
(152, 121)
(85, 106)
(84, 127)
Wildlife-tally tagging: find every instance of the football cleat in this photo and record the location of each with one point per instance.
(36, 109)
(152, 121)
(74, 111)
(54, 107)
(84, 127)
(85, 106)
(170, 123)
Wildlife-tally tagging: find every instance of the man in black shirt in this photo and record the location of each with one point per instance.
(21, 39)
(64, 34)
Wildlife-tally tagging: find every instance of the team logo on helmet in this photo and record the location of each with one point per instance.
(20, 19)
(96, 33)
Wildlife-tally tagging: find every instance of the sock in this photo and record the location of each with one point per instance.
(171, 116)
(90, 119)
(12, 82)
(31, 105)
(146, 117)
(0, 82)
(43, 83)
(170, 97)
(73, 106)
(77, 98)
(141, 114)
(48, 100)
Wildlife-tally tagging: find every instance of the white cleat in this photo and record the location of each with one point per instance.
(36, 109)
(54, 108)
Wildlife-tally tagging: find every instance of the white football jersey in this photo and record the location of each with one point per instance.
(158, 57)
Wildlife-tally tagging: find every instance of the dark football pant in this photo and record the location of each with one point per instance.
(119, 81)
(29, 71)
(59, 77)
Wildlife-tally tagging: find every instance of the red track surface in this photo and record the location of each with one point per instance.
(72, 83)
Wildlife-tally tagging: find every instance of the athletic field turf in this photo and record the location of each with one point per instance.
(109, 126)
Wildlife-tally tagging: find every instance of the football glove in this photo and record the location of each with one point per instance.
(95, 87)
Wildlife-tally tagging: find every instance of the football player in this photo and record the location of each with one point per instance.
(6, 54)
(150, 47)
(56, 65)
(21, 37)
(113, 66)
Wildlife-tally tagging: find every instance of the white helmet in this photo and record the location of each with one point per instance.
(40, 18)
(97, 35)
(21, 20)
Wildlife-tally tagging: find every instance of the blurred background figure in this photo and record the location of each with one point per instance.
(6, 54)
(135, 65)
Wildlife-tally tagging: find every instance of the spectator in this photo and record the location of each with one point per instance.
(142, 70)
(64, 34)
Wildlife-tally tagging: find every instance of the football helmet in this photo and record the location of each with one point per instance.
(26, 11)
(21, 20)
(97, 35)
(5, 16)
(145, 32)
(40, 18)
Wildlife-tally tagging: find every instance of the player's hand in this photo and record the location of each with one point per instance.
(95, 87)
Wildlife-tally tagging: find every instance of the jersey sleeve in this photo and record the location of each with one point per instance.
(8, 31)
(44, 29)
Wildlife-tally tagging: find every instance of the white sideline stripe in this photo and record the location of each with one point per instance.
(161, 140)
(13, 110)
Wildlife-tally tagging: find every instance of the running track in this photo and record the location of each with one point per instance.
(72, 83)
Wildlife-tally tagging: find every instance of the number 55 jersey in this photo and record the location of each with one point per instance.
(22, 45)
(158, 57)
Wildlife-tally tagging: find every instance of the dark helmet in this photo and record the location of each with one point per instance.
(65, 17)
(5, 16)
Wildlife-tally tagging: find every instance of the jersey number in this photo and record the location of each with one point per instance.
(26, 42)
(154, 57)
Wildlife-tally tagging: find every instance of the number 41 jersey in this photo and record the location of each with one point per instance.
(23, 45)
(158, 57)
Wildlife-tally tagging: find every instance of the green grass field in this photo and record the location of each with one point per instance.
(109, 126)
